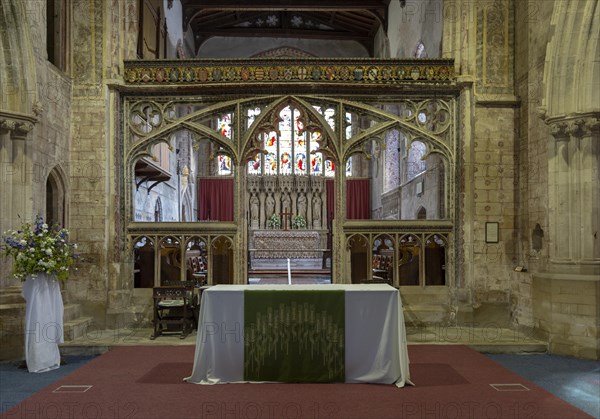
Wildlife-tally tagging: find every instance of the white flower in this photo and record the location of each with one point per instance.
(23, 242)
(31, 250)
(48, 251)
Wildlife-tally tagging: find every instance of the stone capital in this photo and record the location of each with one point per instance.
(584, 127)
(21, 130)
(7, 125)
(18, 126)
(560, 130)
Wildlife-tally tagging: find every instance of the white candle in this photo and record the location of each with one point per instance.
(289, 273)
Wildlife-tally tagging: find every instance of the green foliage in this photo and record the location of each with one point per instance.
(274, 221)
(298, 222)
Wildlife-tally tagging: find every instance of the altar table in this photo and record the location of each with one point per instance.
(372, 334)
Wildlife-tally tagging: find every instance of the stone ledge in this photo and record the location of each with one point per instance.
(566, 276)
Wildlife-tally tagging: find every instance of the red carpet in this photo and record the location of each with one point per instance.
(147, 382)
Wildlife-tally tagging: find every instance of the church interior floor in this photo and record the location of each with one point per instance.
(576, 381)
(488, 339)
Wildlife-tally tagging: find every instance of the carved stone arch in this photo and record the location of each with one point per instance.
(329, 137)
(222, 260)
(572, 59)
(168, 126)
(56, 197)
(158, 213)
(389, 121)
(251, 147)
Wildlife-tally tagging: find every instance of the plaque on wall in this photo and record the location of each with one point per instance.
(491, 232)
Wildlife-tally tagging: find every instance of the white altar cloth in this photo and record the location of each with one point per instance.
(375, 336)
(43, 323)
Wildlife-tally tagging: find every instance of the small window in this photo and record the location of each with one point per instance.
(56, 32)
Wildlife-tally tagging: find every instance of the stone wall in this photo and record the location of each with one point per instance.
(416, 22)
(27, 157)
(531, 39)
(566, 312)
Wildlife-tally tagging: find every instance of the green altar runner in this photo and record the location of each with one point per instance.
(294, 336)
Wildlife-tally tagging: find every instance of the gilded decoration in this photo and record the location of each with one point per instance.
(312, 71)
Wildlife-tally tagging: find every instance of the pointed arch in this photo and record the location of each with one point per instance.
(56, 197)
(17, 74)
(571, 59)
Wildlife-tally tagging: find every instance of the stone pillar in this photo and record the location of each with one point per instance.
(15, 181)
(574, 195)
(559, 184)
(585, 133)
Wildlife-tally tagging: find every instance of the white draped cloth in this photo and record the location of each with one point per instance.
(43, 322)
(375, 337)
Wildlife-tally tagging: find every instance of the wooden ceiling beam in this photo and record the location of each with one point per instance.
(335, 23)
(276, 32)
(287, 4)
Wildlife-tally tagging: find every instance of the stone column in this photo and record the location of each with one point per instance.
(574, 195)
(586, 207)
(15, 180)
(6, 176)
(558, 197)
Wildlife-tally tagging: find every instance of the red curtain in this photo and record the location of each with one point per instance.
(215, 199)
(330, 190)
(358, 199)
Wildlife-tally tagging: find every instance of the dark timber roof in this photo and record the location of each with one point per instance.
(355, 20)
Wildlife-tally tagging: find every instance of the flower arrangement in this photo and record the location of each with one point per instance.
(274, 221)
(298, 222)
(38, 248)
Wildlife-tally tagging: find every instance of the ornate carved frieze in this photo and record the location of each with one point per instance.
(313, 71)
(583, 127)
(302, 183)
(253, 184)
(316, 183)
(573, 126)
(286, 183)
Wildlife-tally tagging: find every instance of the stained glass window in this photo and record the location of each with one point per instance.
(224, 165)
(252, 114)
(291, 150)
(223, 161)
(224, 124)
(285, 141)
(299, 146)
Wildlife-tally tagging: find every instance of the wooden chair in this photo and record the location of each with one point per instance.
(194, 289)
(173, 305)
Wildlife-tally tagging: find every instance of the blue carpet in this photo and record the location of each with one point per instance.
(576, 381)
(16, 384)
